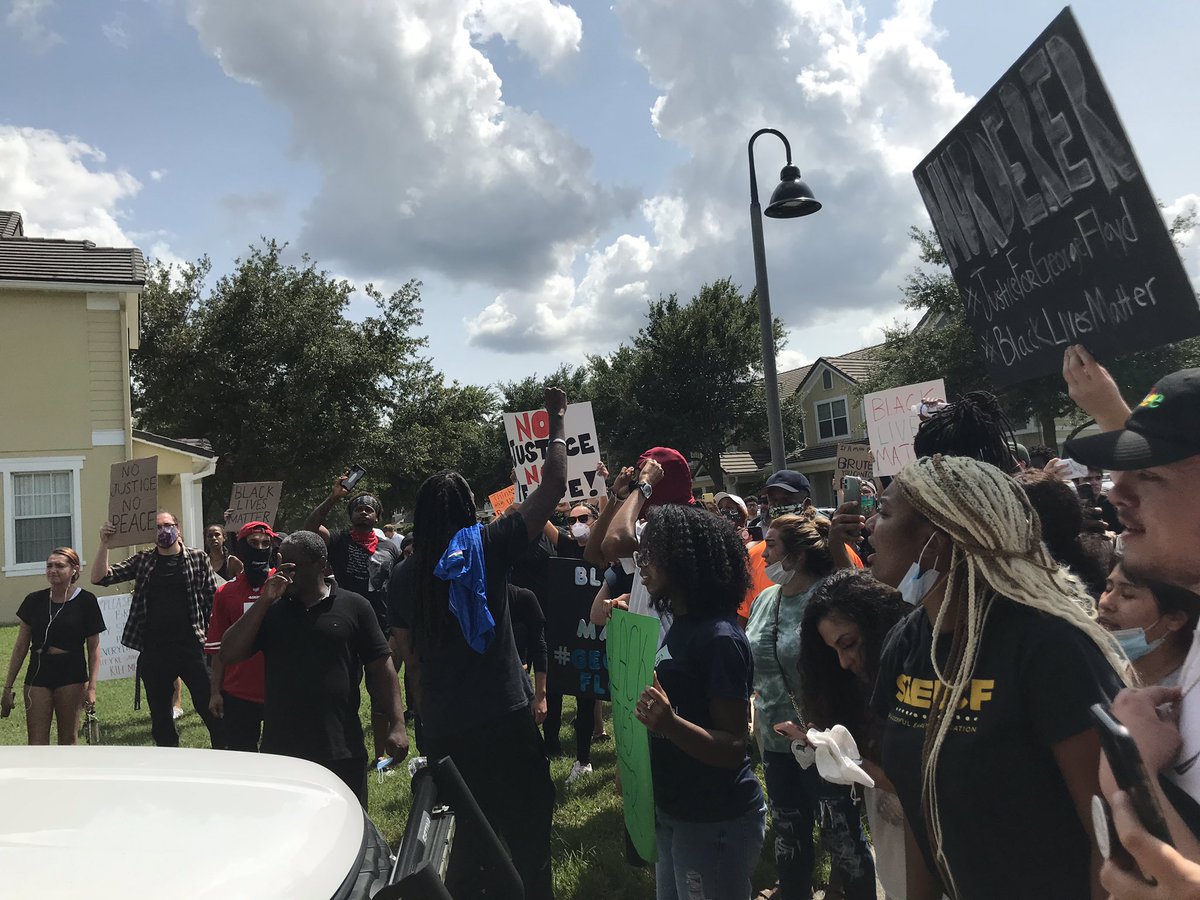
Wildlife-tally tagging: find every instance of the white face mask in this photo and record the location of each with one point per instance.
(916, 584)
(580, 531)
(778, 574)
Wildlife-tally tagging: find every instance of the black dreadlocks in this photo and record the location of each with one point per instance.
(973, 426)
(444, 507)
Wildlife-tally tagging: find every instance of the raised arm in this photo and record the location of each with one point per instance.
(593, 552)
(316, 518)
(1093, 389)
(99, 569)
(538, 506)
(621, 539)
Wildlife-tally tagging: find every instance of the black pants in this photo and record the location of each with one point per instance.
(584, 718)
(504, 764)
(160, 665)
(243, 723)
(353, 772)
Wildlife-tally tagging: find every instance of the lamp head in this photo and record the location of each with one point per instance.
(792, 198)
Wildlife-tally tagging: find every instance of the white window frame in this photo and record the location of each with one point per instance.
(826, 376)
(21, 466)
(817, 417)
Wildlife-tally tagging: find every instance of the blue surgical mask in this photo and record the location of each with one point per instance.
(916, 584)
(1133, 641)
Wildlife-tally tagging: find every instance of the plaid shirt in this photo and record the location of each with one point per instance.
(201, 585)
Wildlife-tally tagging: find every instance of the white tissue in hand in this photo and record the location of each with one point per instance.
(836, 755)
(805, 754)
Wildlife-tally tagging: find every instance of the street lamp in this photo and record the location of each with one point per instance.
(790, 200)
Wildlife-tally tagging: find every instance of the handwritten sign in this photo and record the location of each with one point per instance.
(528, 435)
(853, 459)
(502, 500)
(578, 659)
(1047, 221)
(133, 501)
(892, 423)
(116, 660)
(254, 501)
(632, 642)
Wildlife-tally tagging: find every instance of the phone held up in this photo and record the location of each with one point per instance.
(354, 477)
(851, 489)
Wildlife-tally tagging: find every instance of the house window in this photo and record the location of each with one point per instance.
(827, 380)
(41, 510)
(832, 421)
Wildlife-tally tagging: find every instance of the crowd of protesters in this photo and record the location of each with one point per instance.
(927, 658)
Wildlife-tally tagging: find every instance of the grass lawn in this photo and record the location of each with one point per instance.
(588, 836)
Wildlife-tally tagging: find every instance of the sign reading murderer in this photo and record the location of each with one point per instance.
(578, 662)
(1047, 221)
(853, 459)
(133, 501)
(528, 435)
(502, 499)
(632, 643)
(892, 423)
(253, 501)
(116, 660)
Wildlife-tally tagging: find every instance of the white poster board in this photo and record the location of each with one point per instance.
(116, 660)
(528, 436)
(892, 422)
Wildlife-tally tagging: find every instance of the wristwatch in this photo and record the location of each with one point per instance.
(646, 488)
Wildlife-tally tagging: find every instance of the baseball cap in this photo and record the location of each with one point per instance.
(676, 484)
(795, 482)
(250, 527)
(1164, 428)
(738, 501)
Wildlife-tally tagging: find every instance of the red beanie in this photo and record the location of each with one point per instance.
(676, 484)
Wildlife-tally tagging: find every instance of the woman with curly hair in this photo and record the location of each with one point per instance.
(1087, 555)
(798, 558)
(841, 642)
(986, 689)
(710, 811)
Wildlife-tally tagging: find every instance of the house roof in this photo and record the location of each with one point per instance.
(194, 446)
(52, 260)
(854, 365)
(745, 462)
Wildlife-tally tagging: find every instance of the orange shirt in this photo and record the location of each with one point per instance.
(759, 581)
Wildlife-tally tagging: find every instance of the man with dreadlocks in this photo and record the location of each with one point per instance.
(985, 689)
(448, 607)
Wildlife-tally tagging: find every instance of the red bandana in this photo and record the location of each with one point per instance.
(368, 541)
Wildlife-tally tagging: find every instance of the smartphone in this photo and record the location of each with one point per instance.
(1130, 772)
(851, 489)
(355, 476)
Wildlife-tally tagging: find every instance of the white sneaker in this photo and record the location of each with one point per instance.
(578, 770)
(177, 712)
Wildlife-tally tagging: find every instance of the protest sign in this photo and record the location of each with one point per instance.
(116, 660)
(892, 422)
(578, 661)
(502, 500)
(133, 501)
(1046, 219)
(528, 435)
(253, 501)
(853, 459)
(632, 642)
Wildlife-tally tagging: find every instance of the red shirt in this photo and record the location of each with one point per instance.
(245, 679)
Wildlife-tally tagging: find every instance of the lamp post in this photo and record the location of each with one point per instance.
(790, 200)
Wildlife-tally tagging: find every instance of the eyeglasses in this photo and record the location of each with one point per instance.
(585, 517)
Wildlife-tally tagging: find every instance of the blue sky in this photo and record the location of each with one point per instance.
(544, 168)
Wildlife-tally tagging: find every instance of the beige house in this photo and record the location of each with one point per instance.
(68, 322)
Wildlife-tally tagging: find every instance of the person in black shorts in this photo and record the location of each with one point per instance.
(56, 624)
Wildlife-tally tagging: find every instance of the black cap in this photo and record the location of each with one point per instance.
(1164, 428)
(790, 481)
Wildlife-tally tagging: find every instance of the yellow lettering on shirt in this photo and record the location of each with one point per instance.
(920, 692)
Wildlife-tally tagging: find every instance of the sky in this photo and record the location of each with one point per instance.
(545, 169)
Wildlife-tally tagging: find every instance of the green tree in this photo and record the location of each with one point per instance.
(267, 367)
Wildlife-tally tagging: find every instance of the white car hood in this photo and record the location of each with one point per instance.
(178, 823)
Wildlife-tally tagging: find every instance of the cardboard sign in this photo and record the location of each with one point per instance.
(632, 644)
(578, 659)
(133, 501)
(853, 459)
(253, 501)
(528, 435)
(1051, 231)
(502, 500)
(116, 660)
(892, 423)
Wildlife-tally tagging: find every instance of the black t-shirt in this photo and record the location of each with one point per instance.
(1009, 825)
(74, 621)
(168, 614)
(567, 546)
(529, 569)
(529, 627)
(462, 690)
(314, 661)
(701, 660)
(363, 573)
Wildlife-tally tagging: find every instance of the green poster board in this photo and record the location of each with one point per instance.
(632, 645)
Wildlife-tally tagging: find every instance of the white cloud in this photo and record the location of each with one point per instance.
(63, 187)
(158, 174)
(860, 107)
(115, 31)
(26, 17)
(423, 164)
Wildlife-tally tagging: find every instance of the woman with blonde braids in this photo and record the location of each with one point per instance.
(997, 793)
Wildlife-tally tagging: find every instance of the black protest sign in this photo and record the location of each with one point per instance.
(1047, 221)
(253, 501)
(578, 662)
(133, 502)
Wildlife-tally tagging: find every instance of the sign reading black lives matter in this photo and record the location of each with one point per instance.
(578, 662)
(1047, 222)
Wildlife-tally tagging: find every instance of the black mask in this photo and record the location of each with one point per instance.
(258, 565)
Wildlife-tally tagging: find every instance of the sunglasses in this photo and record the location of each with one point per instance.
(585, 517)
